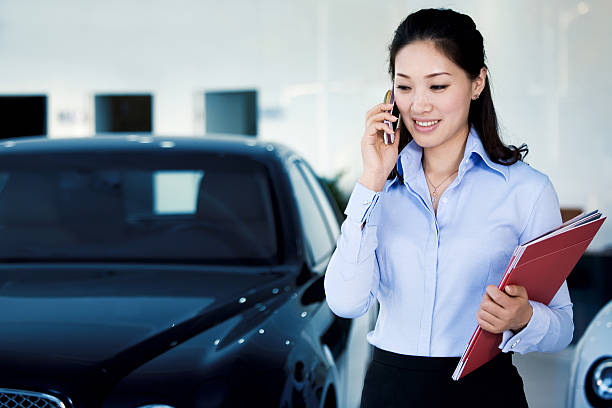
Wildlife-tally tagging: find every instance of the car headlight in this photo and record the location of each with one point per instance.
(599, 377)
(602, 379)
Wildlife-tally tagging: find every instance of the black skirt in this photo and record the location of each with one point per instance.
(398, 380)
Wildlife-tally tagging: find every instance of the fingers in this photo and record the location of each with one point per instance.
(488, 327)
(489, 322)
(505, 311)
(491, 307)
(498, 296)
(381, 107)
(373, 129)
(516, 291)
(379, 117)
(375, 124)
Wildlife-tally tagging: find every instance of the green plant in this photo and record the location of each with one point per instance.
(337, 194)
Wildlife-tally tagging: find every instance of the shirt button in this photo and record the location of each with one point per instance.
(444, 200)
(515, 343)
(366, 202)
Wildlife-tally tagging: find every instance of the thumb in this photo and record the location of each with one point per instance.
(517, 291)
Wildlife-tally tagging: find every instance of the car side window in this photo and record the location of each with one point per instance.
(328, 212)
(314, 224)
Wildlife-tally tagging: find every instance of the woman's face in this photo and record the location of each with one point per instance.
(433, 94)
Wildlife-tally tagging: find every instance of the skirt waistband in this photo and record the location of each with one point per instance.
(428, 363)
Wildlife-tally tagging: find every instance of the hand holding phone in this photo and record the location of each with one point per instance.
(380, 156)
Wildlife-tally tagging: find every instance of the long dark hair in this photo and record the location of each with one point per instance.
(455, 35)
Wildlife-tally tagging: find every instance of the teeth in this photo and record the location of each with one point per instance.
(426, 123)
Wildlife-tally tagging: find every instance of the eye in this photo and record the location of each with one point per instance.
(438, 87)
(403, 87)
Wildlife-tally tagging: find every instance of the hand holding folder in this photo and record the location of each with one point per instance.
(541, 266)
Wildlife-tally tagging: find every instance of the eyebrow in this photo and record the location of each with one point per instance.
(426, 76)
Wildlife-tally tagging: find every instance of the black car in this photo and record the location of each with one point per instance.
(184, 272)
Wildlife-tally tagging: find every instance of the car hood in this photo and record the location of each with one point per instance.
(107, 322)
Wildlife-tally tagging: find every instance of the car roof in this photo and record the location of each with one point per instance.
(210, 143)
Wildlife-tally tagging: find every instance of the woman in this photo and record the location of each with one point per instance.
(432, 223)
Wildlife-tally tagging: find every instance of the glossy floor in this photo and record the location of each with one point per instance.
(546, 376)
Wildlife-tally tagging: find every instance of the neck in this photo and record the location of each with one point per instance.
(443, 159)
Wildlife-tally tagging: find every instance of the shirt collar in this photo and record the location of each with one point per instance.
(409, 160)
(474, 146)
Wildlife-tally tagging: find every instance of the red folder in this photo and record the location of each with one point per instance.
(541, 266)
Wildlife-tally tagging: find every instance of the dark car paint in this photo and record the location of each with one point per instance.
(250, 373)
(270, 350)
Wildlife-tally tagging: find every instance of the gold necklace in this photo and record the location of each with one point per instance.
(434, 194)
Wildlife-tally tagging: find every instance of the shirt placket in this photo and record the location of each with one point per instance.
(429, 288)
(432, 256)
(430, 266)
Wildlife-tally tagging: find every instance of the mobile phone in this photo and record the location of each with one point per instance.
(390, 98)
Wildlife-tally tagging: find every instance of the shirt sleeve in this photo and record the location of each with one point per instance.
(352, 276)
(551, 326)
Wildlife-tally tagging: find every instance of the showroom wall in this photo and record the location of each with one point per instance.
(317, 67)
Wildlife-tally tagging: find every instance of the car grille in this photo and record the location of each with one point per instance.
(27, 399)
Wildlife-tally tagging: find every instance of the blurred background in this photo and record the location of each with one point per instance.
(304, 73)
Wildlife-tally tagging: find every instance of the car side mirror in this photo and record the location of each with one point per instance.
(315, 293)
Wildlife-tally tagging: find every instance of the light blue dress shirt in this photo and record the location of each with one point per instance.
(429, 272)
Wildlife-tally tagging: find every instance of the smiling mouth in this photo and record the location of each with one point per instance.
(426, 123)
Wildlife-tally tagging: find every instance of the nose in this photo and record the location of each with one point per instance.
(420, 103)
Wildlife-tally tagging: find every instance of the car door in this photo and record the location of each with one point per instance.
(345, 338)
(316, 228)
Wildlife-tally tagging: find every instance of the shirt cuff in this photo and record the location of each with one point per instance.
(525, 340)
(360, 204)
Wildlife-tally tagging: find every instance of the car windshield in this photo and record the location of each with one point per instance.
(195, 208)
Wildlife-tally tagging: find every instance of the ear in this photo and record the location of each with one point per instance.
(478, 83)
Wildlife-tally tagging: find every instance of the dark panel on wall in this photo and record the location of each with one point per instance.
(231, 112)
(124, 113)
(24, 115)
